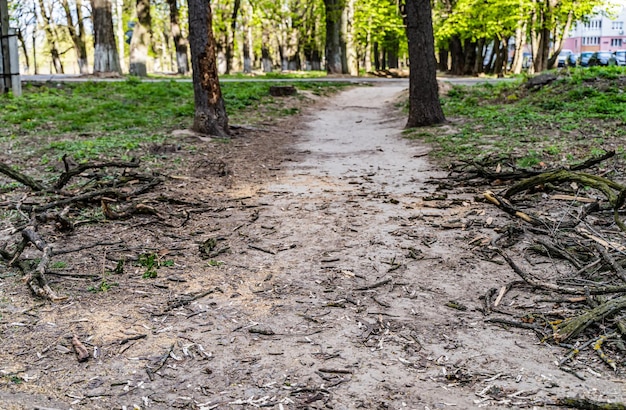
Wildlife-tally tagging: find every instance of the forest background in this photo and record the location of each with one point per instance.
(334, 36)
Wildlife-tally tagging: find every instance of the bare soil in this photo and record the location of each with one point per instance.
(346, 281)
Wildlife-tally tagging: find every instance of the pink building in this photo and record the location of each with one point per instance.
(600, 33)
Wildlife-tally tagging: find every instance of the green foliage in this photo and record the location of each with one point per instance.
(58, 265)
(214, 263)
(93, 120)
(567, 121)
(151, 262)
(377, 21)
(103, 286)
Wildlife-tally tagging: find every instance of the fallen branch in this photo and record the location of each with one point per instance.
(594, 290)
(374, 285)
(65, 177)
(22, 178)
(587, 404)
(573, 327)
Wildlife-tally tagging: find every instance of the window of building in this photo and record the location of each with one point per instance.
(617, 25)
(616, 42)
(591, 41)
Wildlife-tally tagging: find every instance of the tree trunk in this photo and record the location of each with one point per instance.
(424, 105)
(501, 55)
(230, 37)
(376, 53)
(105, 57)
(335, 43)
(352, 62)
(480, 57)
(266, 58)
(247, 46)
(443, 60)
(518, 56)
(492, 56)
(210, 112)
(119, 27)
(179, 41)
(368, 53)
(141, 40)
(52, 38)
(20, 37)
(77, 34)
(469, 48)
(457, 57)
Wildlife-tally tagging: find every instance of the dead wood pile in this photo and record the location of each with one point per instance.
(568, 224)
(55, 207)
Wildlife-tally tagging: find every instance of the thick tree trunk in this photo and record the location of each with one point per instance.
(210, 112)
(105, 57)
(457, 56)
(335, 42)
(141, 40)
(424, 105)
(469, 48)
(179, 41)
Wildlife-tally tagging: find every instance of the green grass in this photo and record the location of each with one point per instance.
(93, 120)
(582, 113)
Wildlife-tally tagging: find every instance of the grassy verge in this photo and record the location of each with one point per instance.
(581, 114)
(93, 120)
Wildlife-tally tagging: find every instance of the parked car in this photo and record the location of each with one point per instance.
(572, 60)
(620, 57)
(563, 58)
(602, 58)
(583, 60)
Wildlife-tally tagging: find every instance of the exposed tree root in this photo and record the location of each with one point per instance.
(51, 204)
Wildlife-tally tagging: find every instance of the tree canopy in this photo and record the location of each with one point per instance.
(471, 36)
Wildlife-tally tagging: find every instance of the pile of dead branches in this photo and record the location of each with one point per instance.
(54, 207)
(567, 245)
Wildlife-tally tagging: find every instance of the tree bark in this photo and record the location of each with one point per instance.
(77, 33)
(180, 43)
(352, 62)
(424, 106)
(121, 36)
(106, 59)
(266, 57)
(210, 112)
(51, 37)
(335, 42)
(141, 40)
(230, 39)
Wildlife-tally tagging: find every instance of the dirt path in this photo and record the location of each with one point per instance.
(336, 294)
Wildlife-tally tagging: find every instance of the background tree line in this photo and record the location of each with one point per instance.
(340, 36)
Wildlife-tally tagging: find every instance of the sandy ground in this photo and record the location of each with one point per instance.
(344, 286)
